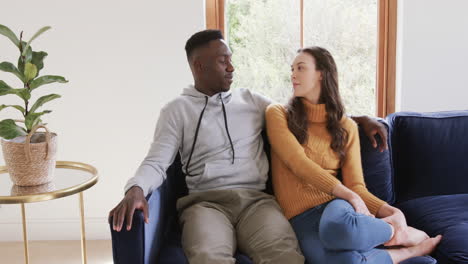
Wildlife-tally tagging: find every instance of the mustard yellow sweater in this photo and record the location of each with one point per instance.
(305, 175)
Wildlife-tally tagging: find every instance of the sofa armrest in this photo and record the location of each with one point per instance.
(142, 242)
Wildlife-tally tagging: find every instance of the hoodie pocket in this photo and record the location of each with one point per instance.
(223, 173)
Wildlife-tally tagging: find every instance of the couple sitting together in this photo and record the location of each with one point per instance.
(315, 216)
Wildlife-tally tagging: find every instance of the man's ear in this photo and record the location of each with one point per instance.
(197, 65)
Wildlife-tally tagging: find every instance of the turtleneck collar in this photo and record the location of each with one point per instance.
(316, 112)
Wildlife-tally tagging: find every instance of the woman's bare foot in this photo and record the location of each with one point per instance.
(424, 248)
(407, 237)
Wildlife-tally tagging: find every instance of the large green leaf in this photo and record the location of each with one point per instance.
(26, 58)
(20, 64)
(32, 119)
(28, 54)
(4, 85)
(30, 71)
(9, 130)
(38, 59)
(5, 89)
(19, 107)
(46, 79)
(38, 33)
(9, 67)
(42, 100)
(24, 93)
(4, 30)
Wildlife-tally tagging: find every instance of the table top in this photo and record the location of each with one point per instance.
(70, 177)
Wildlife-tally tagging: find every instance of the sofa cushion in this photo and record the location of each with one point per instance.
(420, 260)
(377, 168)
(429, 153)
(446, 215)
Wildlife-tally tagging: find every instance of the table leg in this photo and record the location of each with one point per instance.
(83, 235)
(25, 234)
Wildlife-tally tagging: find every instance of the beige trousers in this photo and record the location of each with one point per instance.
(216, 223)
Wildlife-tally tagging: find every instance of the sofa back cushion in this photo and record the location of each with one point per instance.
(430, 153)
(377, 168)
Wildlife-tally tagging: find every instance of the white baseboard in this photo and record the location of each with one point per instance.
(54, 229)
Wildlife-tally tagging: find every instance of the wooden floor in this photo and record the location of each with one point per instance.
(56, 252)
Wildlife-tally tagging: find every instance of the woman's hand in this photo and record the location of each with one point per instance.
(396, 219)
(403, 234)
(351, 197)
(400, 229)
(359, 205)
(392, 215)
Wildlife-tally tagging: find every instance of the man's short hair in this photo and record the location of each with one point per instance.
(200, 39)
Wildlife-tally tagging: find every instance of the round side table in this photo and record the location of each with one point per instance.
(70, 178)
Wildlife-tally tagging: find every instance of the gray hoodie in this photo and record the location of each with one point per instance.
(228, 150)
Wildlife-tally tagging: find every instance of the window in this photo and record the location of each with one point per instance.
(264, 36)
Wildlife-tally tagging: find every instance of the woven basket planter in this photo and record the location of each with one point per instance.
(17, 190)
(31, 160)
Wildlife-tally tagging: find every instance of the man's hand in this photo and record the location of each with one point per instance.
(371, 128)
(134, 199)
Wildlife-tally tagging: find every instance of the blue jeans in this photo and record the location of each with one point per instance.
(334, 233)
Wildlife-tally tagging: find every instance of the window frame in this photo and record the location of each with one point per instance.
(386, 53)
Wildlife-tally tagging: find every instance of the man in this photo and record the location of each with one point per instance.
(218, 135)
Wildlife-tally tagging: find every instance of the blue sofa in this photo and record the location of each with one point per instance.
(424, 173)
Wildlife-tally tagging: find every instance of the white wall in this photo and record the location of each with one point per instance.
(124, 60)
(432, 55)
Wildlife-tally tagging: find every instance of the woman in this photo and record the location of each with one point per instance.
(311, 140)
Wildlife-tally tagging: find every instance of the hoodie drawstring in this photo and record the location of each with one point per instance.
(227, 129)
(198, 128)
(195, 139)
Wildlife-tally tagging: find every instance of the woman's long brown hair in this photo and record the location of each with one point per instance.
(330, 96)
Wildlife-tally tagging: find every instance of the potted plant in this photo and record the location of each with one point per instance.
(29, 155)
